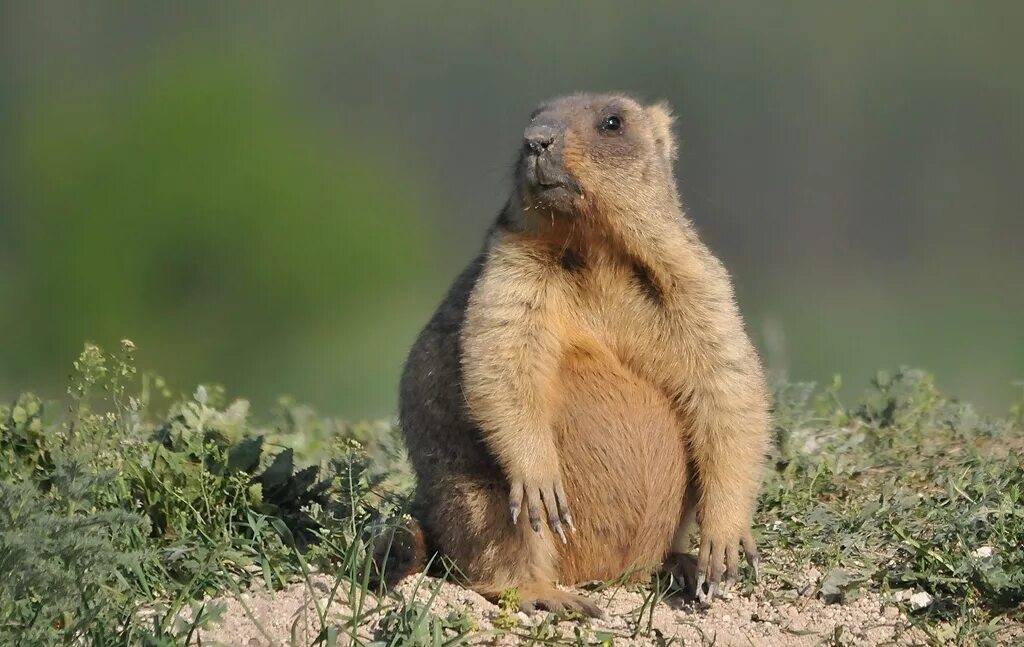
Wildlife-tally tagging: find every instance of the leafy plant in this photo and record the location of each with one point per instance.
(910, 490)
(116, 503)
(123, 517)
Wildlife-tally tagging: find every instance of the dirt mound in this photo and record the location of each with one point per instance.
(294, 616)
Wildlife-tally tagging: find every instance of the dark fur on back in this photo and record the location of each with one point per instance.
(441, 438)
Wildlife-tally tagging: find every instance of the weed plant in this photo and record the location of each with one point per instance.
(129, 514)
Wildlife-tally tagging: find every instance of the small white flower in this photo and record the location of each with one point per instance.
(984, 551)
(201, 395)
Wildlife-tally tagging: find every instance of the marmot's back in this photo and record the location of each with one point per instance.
(441, 438)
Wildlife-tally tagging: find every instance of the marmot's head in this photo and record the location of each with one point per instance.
(585, 151)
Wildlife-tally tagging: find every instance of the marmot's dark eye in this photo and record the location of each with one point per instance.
(612, 123)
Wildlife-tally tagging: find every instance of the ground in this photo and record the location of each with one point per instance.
(129, 515)
(289, 617)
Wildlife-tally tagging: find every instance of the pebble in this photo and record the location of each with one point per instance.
(920, 600)
(902, 595)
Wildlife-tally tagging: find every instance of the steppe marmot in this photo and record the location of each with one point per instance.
(586, 392)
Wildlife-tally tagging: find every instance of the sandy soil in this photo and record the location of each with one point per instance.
(763, 618)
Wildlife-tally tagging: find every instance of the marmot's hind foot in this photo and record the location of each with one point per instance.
(399, 551)
(683, 569)
(549, 598)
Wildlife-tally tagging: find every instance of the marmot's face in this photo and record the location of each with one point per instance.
(593, 149)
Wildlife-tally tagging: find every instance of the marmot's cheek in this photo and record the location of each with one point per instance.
(583, 180)
(573, 157)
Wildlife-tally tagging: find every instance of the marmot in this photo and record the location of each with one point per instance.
(587, 391)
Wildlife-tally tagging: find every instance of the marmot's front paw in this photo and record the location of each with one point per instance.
(541, 494)
(720, 553)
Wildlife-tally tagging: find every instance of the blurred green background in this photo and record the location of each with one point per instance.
(276, 198)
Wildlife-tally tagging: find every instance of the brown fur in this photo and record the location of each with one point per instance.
(594, 346)
(398, 552)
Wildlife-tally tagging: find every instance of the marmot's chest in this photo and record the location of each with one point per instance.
(618, 301)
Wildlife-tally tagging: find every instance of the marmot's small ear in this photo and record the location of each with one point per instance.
(662, 118)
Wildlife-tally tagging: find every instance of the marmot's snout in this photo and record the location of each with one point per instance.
(539, 138)
(543, 170)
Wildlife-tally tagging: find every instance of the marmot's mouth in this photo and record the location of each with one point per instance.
(544, 174)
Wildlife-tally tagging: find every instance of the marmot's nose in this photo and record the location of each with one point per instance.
(539, 138)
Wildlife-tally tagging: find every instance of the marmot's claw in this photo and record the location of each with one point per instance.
(515, 501)
(536, 505)
(722, 557)
(557, 527)
(562, 503)
(711, 565)
(753, 557)
(555, 508)
(539, 500)
(705, 590)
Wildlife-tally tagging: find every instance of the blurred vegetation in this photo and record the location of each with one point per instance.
(278, 198)
(190, 208)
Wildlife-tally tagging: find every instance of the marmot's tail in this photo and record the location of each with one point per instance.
(400, 551)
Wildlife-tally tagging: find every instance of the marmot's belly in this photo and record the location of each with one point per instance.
(624, 468)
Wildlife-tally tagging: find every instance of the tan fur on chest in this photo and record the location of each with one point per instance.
(624, 466)
(617, 433)
(599, 295)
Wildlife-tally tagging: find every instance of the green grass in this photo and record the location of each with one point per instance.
(900, 492)
(124, 509)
